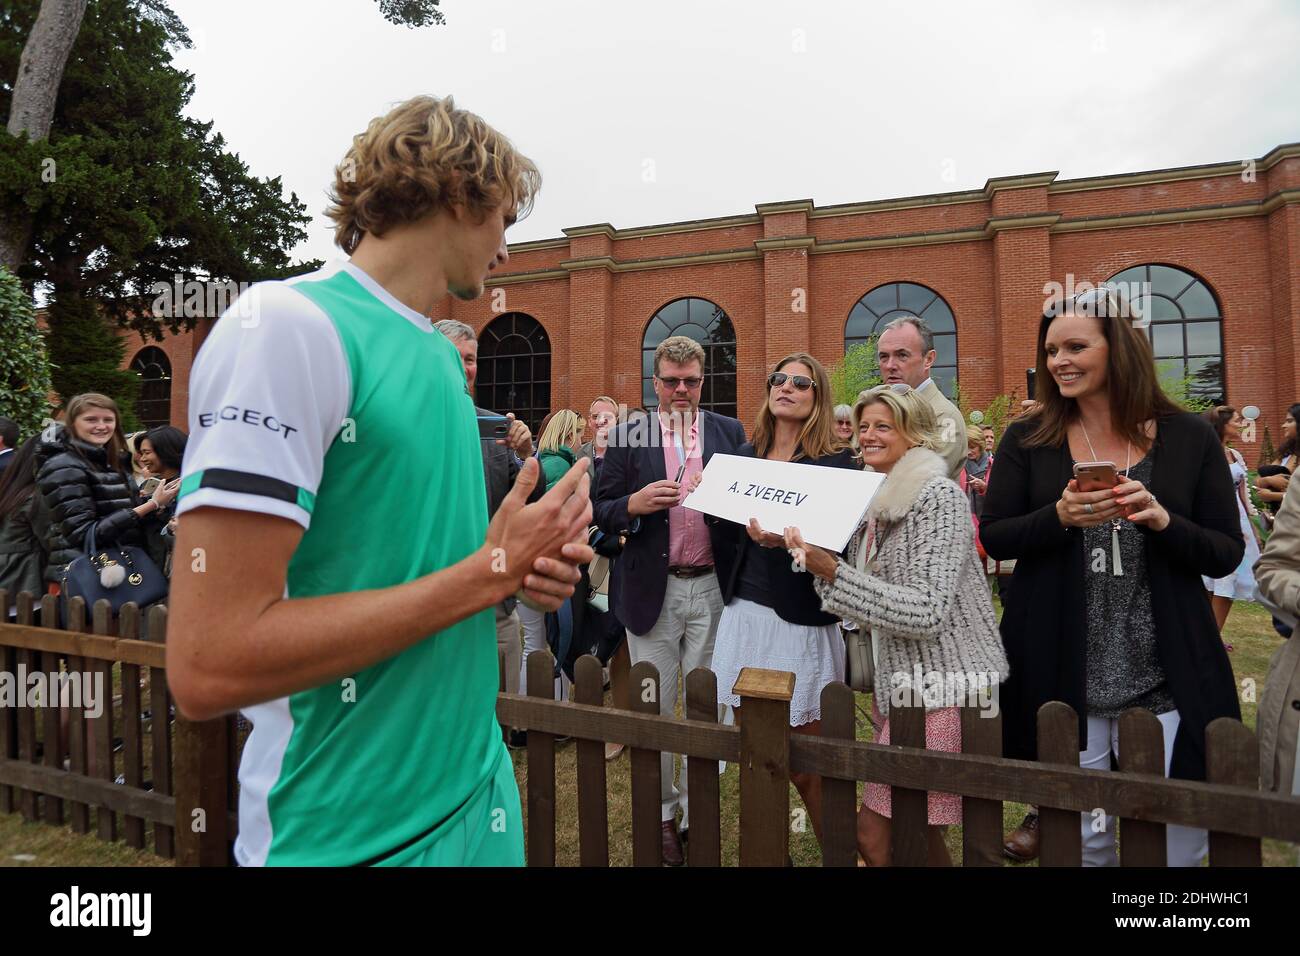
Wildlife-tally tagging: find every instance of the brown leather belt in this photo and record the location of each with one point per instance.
(690, 571)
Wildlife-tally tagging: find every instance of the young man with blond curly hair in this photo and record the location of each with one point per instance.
(333, 486)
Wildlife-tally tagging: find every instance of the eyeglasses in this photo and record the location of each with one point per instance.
(801, 382)
(671, 382)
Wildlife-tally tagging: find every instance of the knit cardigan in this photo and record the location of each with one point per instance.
(925, 593)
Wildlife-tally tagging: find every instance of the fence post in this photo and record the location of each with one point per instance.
(647, 841)
(1060, 831)
(26, 718)
(839, 797)
(593, 810)
(981, 819)
(705, 845)
(1141, 750)
(201, 792)
(541, 766)
(160, 731)
(909, 833)
(1232, 757)
(51, 713)
(78, 729)
(764, 765)
(8, 720)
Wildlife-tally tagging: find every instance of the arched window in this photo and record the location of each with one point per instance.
(1186, 327)
(883, 304)
(514, 368)
(707, 324)
(154, 406)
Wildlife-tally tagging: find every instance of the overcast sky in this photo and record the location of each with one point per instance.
(644, 113)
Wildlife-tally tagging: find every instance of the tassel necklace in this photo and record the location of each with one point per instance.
(1116, 564)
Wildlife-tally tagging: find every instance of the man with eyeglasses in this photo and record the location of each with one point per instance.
(906, 353)
(665, 587)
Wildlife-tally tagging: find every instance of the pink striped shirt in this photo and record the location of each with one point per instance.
(688, 535)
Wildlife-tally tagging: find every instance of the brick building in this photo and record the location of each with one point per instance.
(577, 316)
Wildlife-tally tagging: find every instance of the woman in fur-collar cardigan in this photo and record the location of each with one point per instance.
(911, 575)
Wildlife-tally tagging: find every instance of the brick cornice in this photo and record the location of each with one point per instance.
(787, 242)
(776, 208)
(596, 229)
(1037, 220)
(907, 239)
(1028, 181)
(1190, 214)
(1051, 221)
(539, 275)
(1176, 174)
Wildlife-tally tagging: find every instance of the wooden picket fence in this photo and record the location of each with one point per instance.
(55, 760)
(1229, 805)
(179, 778)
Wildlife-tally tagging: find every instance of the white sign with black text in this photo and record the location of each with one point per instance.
(825, 504)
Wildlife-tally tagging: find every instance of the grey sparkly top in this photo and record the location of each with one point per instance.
(1123, 664)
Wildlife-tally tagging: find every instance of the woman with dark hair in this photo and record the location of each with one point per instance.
(772, 617)
(24, 526)
(162, 449)
(1107, 610)
(83, 473)
(1274, 476)
(1240, 585)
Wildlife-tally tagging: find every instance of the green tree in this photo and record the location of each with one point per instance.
(90, 356)
(24, 367)
(129, 193)
(49, 30)
(858, 370)
(1181, 388)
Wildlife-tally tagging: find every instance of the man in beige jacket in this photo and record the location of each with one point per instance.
(906, 353)
(1277, 575)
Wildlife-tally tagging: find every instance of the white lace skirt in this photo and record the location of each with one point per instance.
(750, 635)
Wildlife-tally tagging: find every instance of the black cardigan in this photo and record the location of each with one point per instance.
(793, 597)
(1043, 615)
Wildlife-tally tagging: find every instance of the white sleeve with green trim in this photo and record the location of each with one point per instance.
(268, 393)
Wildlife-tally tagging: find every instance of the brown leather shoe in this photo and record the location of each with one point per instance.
(1021, 843)
(672, 845)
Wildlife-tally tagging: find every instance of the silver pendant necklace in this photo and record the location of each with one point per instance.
(1116, 564)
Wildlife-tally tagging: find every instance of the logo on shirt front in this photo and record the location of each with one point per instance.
(246, 416)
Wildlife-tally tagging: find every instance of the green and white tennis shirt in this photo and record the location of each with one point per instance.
(326, 401)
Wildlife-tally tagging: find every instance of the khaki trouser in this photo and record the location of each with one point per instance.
(680, 641)
(509, 644)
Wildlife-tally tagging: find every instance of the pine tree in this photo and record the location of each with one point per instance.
(87, 356)
(24, 366)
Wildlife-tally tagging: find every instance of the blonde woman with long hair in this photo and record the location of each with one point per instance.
(557, 450)
(911, 575)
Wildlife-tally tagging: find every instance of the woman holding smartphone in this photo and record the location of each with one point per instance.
(1107, 610)
(772, 617)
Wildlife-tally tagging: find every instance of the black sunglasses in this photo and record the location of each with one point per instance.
(801, 382)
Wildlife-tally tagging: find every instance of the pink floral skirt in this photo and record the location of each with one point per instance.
(942, 732)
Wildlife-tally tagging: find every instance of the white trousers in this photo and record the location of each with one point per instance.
(1184, 846)
(680, 641)
(534, 623)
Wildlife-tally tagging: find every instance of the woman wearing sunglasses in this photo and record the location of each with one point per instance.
(911, 575)
(1107, 610)
(772, 618)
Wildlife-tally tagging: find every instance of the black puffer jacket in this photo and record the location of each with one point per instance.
(80, 489)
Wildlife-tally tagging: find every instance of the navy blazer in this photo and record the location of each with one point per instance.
(634, 459)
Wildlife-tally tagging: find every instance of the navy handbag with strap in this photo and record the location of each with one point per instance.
(120, 574)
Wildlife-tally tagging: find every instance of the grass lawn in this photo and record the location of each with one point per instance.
(36, 844)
